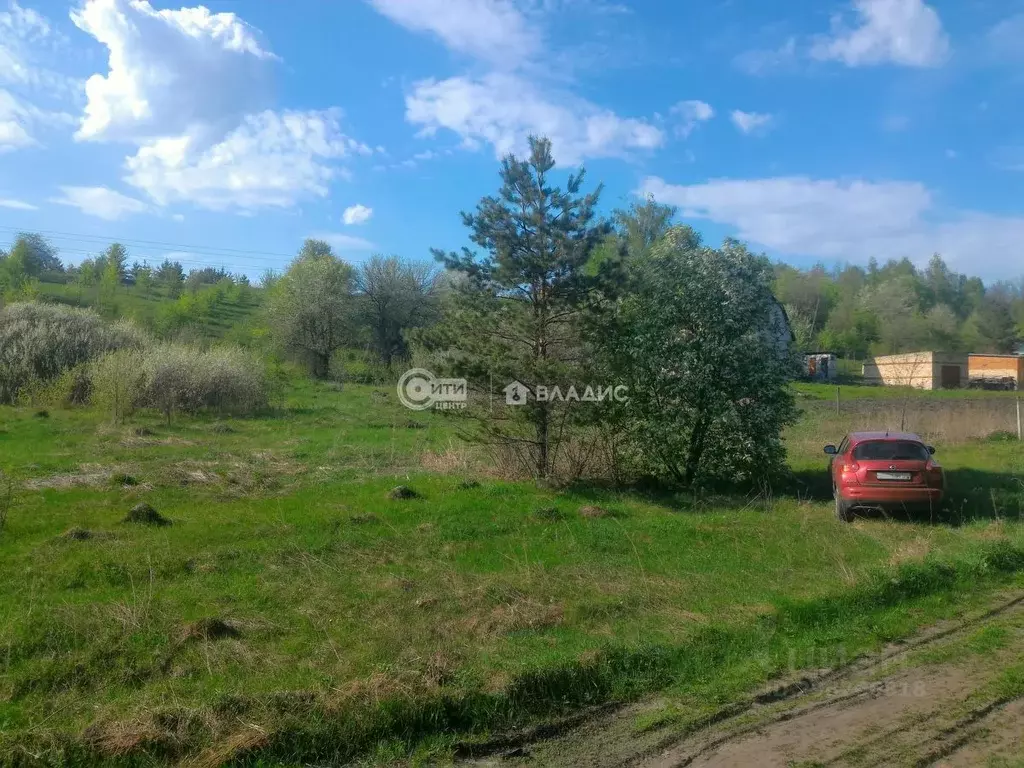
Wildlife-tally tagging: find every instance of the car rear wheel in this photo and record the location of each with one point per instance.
(844, 511)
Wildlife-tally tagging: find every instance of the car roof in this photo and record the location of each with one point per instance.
(860, 437)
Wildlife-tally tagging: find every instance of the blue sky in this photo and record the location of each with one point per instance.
(224, 135)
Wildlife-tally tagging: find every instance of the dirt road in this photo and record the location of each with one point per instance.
(951, 697)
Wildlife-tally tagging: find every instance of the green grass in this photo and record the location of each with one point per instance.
(371, 626)
(224, 320)
(809, 391)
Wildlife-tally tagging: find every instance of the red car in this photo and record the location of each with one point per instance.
(884, 470)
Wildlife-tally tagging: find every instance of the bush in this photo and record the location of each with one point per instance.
(116, 382)
(39, 342)
(176, 378)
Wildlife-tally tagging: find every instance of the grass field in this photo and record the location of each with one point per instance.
(292, 612)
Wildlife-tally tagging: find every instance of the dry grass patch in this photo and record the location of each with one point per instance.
(119, 739)
(453, 460)
(88, 476)
(946, 421)
(233, 748)
(523, 614)
(907, 551)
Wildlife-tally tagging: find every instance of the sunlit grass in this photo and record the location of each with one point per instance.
(360, 620)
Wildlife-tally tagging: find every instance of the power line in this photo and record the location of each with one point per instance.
(213, 251)
(157, 258)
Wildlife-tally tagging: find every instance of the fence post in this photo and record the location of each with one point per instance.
(839, 409)
(1020, 432)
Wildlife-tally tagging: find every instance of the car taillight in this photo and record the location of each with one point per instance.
(935, 476)
(851, 467)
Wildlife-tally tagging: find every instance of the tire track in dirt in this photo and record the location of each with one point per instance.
(816, 731)
(860, 694)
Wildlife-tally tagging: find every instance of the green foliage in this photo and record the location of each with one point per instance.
(514, 317)
(698, 338)
(899, 308)
(144, 281)
(30, 257)
(992, 327)
(6, 497)
(311, 309)
(170, 275)
(643, 224)
(38, 342)
(194, 312)
(111, 274)
(35, 254)
(116, 381)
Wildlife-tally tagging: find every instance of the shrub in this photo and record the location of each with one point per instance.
(223, 379)
(39, 342)
(176, 378)
(116, 382)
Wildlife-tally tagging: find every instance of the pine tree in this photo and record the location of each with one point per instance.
(514, 318)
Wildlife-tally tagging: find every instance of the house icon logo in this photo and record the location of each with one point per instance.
(516, 393)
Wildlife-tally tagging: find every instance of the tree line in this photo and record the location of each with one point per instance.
(897, 307)
(558, 298)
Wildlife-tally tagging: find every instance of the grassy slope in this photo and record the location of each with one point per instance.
(144, 309)
(463, 600)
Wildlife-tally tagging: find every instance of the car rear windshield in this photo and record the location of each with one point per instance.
(890, 450)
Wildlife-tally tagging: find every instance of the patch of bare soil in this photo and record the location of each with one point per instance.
(933, 701)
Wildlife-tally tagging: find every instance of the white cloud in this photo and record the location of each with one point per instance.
(907, 32)
(492, 30)
(20, 28)
(691, 114)
(23, 32)
(101, 202)
(13, 135)
(19, 120)
(849, 220)
(341, 242)
(502, 110)
(1006, 39)
(750, 122)
(190, 89)
(169, 70)
(272, 159)
(357, 214)
(764, 60)
(17, 205)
